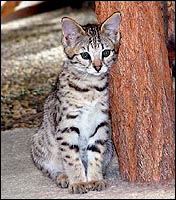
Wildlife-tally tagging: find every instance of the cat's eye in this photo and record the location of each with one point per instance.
(106, 53)
(85, 55)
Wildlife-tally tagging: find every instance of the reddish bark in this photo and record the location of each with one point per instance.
(141, 93)
(9, 7)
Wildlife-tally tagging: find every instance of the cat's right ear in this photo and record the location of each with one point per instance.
(71, 30)
(111, 27)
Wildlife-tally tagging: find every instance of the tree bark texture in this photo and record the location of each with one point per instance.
(141, 93)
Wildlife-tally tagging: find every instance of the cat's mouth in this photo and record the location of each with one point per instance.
(98, 73)
(94, 72)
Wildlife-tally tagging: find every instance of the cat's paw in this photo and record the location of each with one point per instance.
(62, 181)
(97, 185)
(79, 188)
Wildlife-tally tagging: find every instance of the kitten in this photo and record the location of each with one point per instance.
(73, 145)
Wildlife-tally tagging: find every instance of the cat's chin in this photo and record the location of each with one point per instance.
(97, 73)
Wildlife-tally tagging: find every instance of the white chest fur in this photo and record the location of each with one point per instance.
(90, 117)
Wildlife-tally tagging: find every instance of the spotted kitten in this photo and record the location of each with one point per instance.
(73, 145)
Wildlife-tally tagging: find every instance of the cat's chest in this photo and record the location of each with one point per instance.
(91, 111)
(91, 116)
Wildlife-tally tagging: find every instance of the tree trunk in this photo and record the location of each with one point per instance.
(141, 93)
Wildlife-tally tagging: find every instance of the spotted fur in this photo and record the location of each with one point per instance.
(73, 145)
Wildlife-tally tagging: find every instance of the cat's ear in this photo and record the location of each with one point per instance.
(111, 26)
(71, 30)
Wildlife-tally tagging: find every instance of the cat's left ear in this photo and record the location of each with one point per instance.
(71, 30)
(111, 27)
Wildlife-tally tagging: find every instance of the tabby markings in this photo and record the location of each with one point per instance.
(71, 116)
(99, 126)
(74, 147)
(100, 89)
(93, 148)
(72, 128)
(72, 85)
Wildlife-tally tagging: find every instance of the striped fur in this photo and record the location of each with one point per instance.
(73, 145)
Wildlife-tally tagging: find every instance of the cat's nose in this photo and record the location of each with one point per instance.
(97, 65)
(97, 68)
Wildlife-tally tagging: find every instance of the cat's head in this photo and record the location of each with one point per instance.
(91, 48)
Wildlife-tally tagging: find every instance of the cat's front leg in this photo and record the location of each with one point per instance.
(73, 166)
(95, 152)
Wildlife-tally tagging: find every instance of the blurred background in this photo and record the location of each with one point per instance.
(12, 10)
(32, 55)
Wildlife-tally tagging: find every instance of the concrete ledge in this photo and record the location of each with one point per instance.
(21, 180)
